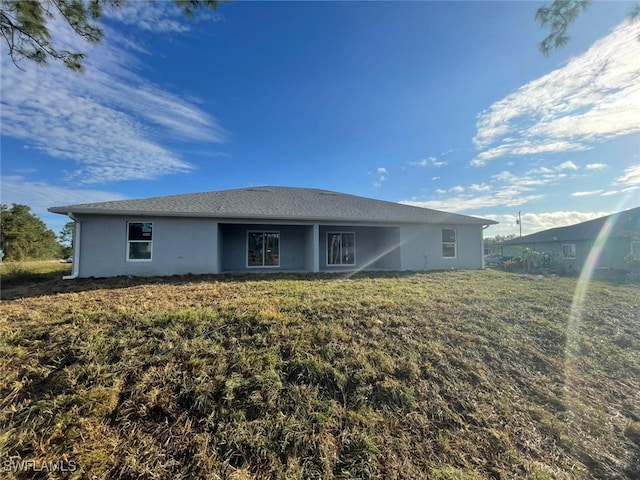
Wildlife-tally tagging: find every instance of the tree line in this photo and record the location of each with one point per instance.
(23, 236)
(498, 239)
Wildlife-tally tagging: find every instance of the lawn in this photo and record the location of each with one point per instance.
(443, 375)
(25, 276)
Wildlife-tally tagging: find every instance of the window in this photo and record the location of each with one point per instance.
(635, 248)
(568, 250)
(449, 242)
(341, 248)
(263, 249)
(139, 241)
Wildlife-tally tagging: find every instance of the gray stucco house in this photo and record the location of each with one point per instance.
(569, 247)
(266, 229)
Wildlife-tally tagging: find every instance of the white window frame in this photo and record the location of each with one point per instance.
(634, 247)
(572, 248)
(326, 250)
(129, 242)
(246, 250)
(454, 243)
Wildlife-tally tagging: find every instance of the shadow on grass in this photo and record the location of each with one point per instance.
(34, 284)
(611, 276)
(38, 284)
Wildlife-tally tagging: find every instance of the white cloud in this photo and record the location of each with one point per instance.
(586, 193)
(159, 16)
(506, 197)
(541, 170)
(536, 222)
(594, 97)
(512, 191)
(569, 165)
(381, 173)
(505, 189)
(596, 166)
(110, 123)
(483, 187)
(631, 177)
(42, 195)
(505, 176)
(456, 189)
(545, 176)
(429, 162)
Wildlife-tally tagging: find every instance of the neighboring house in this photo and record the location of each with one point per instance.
(568, 247)
(268, 229)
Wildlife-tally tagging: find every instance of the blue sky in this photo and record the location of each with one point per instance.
(446, 105)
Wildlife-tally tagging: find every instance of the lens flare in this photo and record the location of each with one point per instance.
(572, 347)
(589, 266)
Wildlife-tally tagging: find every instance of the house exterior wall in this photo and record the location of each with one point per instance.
(422, 248)
(180, 246)
(387, 249)
(297, 246)
(204, 245)
(293, 255)
(611, 256)
(554, 249)
(376, 248)
(614, 252)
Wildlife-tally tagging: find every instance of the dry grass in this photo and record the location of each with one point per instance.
(29, 275)
(450, 375)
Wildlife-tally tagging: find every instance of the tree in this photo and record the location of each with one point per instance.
(23, 235)
(498, 239)
(528, 256)
(559, 14)
(66, 238)
(24, 26)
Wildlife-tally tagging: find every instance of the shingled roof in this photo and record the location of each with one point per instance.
(280, 203)
(623, 223)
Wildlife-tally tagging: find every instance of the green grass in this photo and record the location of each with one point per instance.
(30, 272)
(448, 375)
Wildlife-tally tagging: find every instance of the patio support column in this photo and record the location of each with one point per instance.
(316, 247)
(216, 248)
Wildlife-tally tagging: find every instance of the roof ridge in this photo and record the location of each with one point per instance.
(275, 202)
(579, 230)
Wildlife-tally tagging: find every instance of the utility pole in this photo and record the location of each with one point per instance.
(519, 222)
